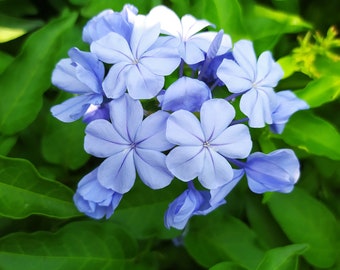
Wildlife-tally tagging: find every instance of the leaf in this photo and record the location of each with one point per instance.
(6, 144)
(62, 143)
(312, 134)
(227, 266)
(282, 258)
(306, 220)
(5, 60)
(23, 192)
(142, 210)
(78, 245)
(12, 27)
(320, 91)
(215, 238)
(28, 76)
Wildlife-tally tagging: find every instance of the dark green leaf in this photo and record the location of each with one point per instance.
(24, 192)
(5, 60)
(282, 258)
(227, 266)
(28, 76)
(6, 144)
(312, 134)
(78, 245)
(215, 238)
(63, 143)
(307, 220)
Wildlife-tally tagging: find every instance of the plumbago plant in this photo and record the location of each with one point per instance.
(168, 141)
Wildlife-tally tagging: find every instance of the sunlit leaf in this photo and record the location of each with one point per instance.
(23, 192)
(78, 245)
(306, 220)
(28, 76)
(312, 134)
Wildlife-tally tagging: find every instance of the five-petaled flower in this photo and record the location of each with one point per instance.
(128, 143)
(203, 147)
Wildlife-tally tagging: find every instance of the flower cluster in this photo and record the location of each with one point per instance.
(192, 134)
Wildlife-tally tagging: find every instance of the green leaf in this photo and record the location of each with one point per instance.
(142, 210)
(282, 258)
(306, 220)
(320, 91)
(12, 27)
(78, 245)
(215, 238)
(5, 60)
(23, 192)
(28, 76)
(312, 134)
(227, 266)
(63, 143)
(6, 144)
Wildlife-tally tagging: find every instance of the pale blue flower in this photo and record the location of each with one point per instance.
(95, 200)
(139, 64)
(128, 143)
(81, 74)
(183, 33)
(187, 94)
(204, 146)
(109, 21)
(191, 202)
(254, 79)
(288, 103)
(277, 171)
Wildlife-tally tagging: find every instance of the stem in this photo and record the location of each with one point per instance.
(242, 120)
(181, 68)
(233, 96)
(236, 162)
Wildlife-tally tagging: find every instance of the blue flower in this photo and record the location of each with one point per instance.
(183, 34)
(109, 21)
(191, 202)
(81, 74)
(276, 171)
(139, 64)
(95, 200)
(204, 146)
(288, 103)
(129, 144)
(187, 94)
(254, 79)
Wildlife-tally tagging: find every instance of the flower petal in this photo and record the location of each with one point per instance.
(268, 72)
(216, 170)
(151, 134)
(114, 84)
(183, 128)
(212, 125)
(126, 116)
(142, 83)
(102, 140)
(244, 55)
(191, 26)
(234, 142)
(118, 172)
(112, 49)
(185, 162)
(151, 168)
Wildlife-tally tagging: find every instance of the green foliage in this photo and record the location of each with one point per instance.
(42, 159)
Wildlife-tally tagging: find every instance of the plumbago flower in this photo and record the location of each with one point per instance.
(188, 127)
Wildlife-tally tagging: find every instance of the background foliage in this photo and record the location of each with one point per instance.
(41, 159)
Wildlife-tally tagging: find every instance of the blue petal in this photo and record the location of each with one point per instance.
(216, 170)
(102, 140)
(185, 162)
(118, 172)
(142, 83)
(190, 26)
(114, 84)
(268, 72)
(112, 49)
(244, 55)
(187, 94)
(212, 125)
(74, 108)
(151, 168)
(151, 134)
(183, 128)
(126, 116)
(234, 142)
